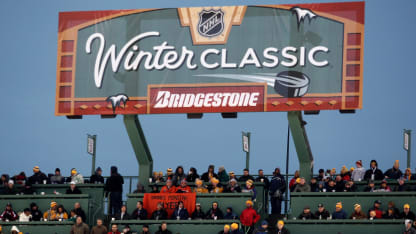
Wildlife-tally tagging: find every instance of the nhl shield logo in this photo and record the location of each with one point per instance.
(211, 23)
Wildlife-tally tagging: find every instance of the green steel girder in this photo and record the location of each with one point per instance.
(301, 142)
(138, 141)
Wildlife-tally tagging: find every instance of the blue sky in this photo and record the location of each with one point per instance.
(30, 133)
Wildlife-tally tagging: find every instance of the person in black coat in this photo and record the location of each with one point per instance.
(38, 177)
(276, 190)
(198, 213)
(192, 175)
(114, 187)
(139, 213)
(159, 213)
(180, 212)
(80, 212)
(163, 229)
(73, 189)
(215, 212)
(97, 178)
(36, 213)
(394, 172)
(123, 215)
(373, 173)
(207, 176)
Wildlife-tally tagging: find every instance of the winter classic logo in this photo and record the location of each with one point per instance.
(211, 23)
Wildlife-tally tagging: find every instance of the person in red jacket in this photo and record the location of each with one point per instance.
(114, 229)
(168, 188)
(249, 217)
(183, 188)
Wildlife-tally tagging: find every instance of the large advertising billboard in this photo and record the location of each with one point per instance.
(211, 59)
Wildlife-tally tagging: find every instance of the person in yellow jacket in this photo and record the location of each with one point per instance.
(199, 187)
(215, 188)
(61, 213)
(51, 214)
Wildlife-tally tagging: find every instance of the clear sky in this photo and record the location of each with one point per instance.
(30, 133)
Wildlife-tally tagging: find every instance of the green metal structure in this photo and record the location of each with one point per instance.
(303, 149)
(138, 141)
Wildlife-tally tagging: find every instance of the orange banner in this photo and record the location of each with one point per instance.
(170, 201)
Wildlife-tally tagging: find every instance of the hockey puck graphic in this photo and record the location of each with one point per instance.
(291, 84)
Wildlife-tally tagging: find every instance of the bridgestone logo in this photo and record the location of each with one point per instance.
(166, 99)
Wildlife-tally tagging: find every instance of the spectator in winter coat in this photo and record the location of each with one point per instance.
(38, 177)
(249, 188)
(235, 229)
(292, 183)
(302, 186)
(249, 217)
(97, 178)
(407, 214)
(139, 188)
(358, 213)
(51, 214)
(198, 214)
(314, 185)
(376, 208)
(183, 188)
(99, 228)
(349, 186)
(233, 187)
(73, 189)
(76, 177)
(215, 187)
(222, 175)
(123, 215)
(159, 213)
(178, 176)
(359, 171)
(409, 229)
(373, 173)
(390, 214)
(10, 188)
(61, 213)
(25, 216)
(391, 205)
(339, 213)
(263, 229)
(192, 175)
(321, 213)
(370, 187)
(306, 214)
(276, 190)
(57, 178)
(207, 176)
(226, 230)
(384, 187)
(145, 229)
(402, 187)
(9, 214)
(169, 187)
(215, 212)
(35, 212)
(229, 214)
(263, 179)
(394, 172)
(246, 176)
(199, 187)
(163, 229)
(80, 227)
(281, 229)
(79, 211)
(139, 213)
(114, 187)
(180, 212)
(345, 174)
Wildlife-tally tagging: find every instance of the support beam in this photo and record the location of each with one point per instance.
(301, 142)
(138, 141)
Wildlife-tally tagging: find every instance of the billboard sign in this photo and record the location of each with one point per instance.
(211, 59)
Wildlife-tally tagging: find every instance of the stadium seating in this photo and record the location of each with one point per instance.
(178, 226)
(299, 200)
(39, 227)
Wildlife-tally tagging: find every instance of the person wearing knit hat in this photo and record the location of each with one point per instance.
(168, 188)
(38, 176)
(235, 229)
(339, 213)
(233, 187)
(249, 188)
(51, 214)
(407, 213)
(321, 213)
(215, 186)
(232, 175)
(76, 177)
(249, 217)
(264, 228)
(292, 182)
(345, 174)
(183, 188)
(199, 187)
(281, 229)
(223, 175)
(373, 173)
(302, 186)
(226, 230)
(57, 178)
(358, 213)
(9, 214)
(394, 172)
